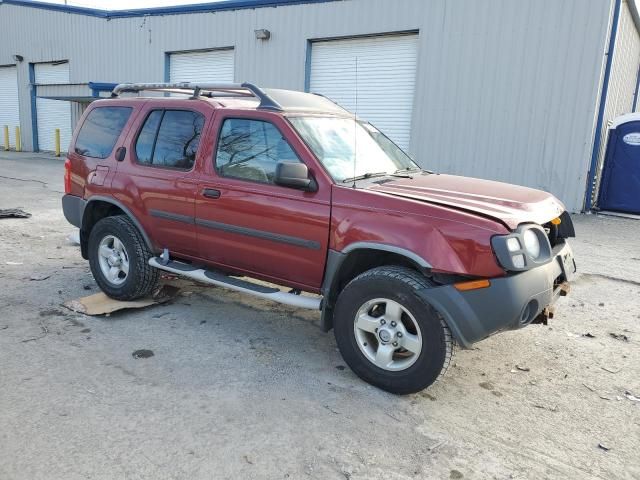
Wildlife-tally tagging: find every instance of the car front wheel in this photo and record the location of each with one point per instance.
(388, 335)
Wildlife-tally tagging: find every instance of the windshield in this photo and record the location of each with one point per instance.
(336, 140)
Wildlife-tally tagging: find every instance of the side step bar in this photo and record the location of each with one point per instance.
(232, 283)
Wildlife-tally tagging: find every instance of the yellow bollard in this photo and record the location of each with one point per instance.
(6, 137)
(18, 140)
(57, 142)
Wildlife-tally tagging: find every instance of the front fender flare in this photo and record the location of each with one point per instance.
(127, 212)
(335, 261)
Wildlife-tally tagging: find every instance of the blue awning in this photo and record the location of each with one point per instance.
(97, 87)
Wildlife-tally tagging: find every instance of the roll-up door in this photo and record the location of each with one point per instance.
(386, 75)
(212, 66)
(9, 113)
(52, 114)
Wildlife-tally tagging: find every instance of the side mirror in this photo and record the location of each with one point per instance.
(294, 175)
(121, 152)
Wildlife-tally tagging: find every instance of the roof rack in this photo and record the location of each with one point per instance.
(209, 90)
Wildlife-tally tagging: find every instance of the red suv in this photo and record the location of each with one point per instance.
(232, 182)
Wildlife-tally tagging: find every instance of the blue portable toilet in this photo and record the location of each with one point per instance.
(620, 183)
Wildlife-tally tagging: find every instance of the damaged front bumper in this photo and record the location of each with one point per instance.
(509, 303)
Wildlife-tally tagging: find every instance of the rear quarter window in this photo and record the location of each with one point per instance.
(100, 131)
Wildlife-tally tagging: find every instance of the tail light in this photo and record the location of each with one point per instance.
(67, 176)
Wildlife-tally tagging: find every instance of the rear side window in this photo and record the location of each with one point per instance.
(147, 137)
(170, 138)
(251, 150)
(100, 131)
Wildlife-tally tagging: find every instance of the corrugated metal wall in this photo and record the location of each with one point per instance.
(505, 90)
(622, 86)
(77, 109)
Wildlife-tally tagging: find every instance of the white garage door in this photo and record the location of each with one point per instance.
(9, 112)
(203, 66)
(52, 114)
(386, 76)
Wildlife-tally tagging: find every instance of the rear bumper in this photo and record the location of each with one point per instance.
(73, 209)
(509, 303)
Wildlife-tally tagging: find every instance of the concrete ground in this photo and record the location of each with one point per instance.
(239, 388)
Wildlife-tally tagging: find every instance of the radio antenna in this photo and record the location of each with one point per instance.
(355, 130)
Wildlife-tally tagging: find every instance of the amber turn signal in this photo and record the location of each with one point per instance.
(472, 285)
(556, 221)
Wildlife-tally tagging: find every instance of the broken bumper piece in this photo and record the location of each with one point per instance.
(509, 303)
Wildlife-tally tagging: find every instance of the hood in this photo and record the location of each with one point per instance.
(509, 204)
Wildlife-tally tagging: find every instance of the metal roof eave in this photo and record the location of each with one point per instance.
(71, 98)
(224, 5)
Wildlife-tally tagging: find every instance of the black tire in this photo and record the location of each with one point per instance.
(142, 278)
(400, 285)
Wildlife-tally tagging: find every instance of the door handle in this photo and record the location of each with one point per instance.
(211, 193)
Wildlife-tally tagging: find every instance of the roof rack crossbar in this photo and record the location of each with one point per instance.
(209, 90)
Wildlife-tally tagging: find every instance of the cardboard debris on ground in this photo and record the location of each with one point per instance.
(100, 304)
(14, 213)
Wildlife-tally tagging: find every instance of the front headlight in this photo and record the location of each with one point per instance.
(531, 243)
(524, 249)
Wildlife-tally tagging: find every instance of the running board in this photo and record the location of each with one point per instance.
(221, 280)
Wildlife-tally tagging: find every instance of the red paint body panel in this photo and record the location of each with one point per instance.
(448, 221)
(147, 189)
(510, 204)
(450, 241)
(267, 208)
(86, 180)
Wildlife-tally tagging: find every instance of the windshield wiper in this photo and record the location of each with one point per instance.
(408, 169)
(414, 169)
(365, 176)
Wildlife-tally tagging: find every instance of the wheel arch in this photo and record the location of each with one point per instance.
(344, 266)
(99, 207)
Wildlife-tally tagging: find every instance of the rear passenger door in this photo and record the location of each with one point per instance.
(159, 176)
(244, 220)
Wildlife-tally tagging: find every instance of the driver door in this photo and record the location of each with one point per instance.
(244, 221)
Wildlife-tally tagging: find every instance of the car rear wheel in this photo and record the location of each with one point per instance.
(118, 257)
(388, 335)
